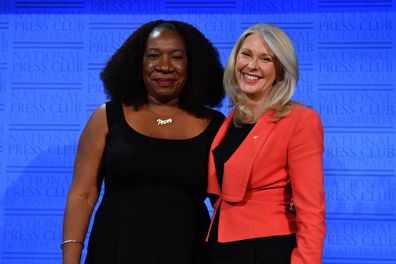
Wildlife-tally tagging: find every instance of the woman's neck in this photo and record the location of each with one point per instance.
(255, 109)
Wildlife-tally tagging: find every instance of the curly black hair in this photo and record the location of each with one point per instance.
(123, 73)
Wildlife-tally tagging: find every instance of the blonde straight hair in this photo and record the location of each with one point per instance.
(286, 68)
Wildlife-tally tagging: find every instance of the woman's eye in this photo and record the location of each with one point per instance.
(266, 59)
(246, 54)
(177, 57)
(152, 55)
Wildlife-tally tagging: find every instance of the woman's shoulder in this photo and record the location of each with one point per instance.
(215, 115)
(105, 114)
(96, 125)
(298, 110)
(215, 118)
(99, 114)
(304, 116)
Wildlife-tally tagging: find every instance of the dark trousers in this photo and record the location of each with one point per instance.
(266, 250)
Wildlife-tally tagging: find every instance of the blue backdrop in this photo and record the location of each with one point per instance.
(52, 51)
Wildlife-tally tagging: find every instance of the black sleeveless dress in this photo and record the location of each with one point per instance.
(153, 208)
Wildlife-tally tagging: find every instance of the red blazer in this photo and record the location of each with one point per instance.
(277, 161)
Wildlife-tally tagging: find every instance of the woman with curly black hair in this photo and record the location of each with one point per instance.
(150, 143)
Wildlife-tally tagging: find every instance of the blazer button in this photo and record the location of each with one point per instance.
(255, 137)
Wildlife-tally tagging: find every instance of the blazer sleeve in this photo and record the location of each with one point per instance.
(305, 163)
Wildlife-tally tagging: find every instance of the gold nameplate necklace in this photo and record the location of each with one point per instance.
(166, 121)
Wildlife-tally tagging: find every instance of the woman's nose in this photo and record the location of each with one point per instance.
(165, 64)
(252, 65)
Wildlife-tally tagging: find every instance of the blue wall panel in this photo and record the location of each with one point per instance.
(51, 53)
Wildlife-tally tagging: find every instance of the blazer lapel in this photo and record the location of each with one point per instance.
(213, 183)
(238, 168)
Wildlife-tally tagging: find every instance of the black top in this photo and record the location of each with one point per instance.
(232, 140)
(153, 207)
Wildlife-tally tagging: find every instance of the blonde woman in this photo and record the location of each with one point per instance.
(265, 165)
